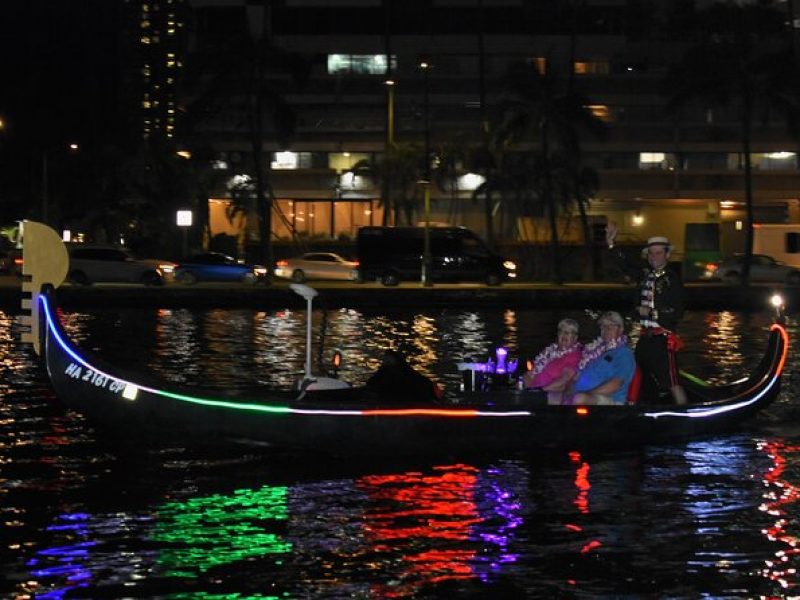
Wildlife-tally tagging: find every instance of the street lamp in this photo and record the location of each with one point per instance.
(427, 281)
(183, 219)
(389, 83)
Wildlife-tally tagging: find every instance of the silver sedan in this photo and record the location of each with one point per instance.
(317, 265)
(762, 269)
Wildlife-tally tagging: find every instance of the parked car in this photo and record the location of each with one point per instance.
(215, 266)
(114, 264)
(763, 268)
(395, 254)
(317, 265)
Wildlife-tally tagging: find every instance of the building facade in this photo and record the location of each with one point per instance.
(365, 93)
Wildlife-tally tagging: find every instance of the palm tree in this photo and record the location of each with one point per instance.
(241, 81)
(739, 61)
(450, 165)
(400, 164)
(487, 159)
(540, 108)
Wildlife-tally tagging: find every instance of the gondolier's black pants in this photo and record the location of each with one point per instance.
(659, 369)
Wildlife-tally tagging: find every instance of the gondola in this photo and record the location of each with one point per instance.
(349, 419)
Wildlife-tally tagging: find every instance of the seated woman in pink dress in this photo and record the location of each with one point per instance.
(555, 367)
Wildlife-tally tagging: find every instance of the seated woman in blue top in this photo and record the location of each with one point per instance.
(607, 365)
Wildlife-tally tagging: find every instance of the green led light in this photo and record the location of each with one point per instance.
(224, 404)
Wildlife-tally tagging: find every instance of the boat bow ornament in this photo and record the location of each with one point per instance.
(45, 261)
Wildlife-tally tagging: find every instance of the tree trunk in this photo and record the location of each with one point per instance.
(588, 241)
(551, 207)
(263, 201)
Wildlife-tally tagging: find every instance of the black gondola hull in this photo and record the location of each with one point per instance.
(350, 420)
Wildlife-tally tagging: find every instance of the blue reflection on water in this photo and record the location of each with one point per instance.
(706, 518)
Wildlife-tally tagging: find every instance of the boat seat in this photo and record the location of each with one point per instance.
(635, 387)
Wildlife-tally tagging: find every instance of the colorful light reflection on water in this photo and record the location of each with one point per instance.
(713, 517)
(780, 496)
(417, 529)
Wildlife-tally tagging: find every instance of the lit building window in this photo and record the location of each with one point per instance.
(359, 64)
(601, 111)
(291, 160)
(539, 63)
(285, 160)
(591, 67)
(341, 161)
(351, 181)
(651, 157)
(774, 161)
(656, 160)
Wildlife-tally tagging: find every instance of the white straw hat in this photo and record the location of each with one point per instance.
(659, 240)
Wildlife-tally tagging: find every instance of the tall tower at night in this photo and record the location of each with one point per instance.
(161, 52)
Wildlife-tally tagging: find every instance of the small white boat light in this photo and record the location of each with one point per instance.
(130, 391)
(778, 304)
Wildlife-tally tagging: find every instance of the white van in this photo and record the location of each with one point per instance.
(780, 241)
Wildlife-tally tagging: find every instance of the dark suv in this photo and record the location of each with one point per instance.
(394, 254)
(111, 264)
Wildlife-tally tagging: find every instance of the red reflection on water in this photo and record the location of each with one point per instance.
(59, 436)
(591, 546)
(780, 494)
(581, 482)
(582, 499)
(413, 507)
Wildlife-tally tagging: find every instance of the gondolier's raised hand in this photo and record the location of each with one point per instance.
(611, 233)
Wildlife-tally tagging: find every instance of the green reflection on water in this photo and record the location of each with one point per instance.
(207, 532)
(206, 596)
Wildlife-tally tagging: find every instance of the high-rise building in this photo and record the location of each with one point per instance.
(657, 170)
(160, 40)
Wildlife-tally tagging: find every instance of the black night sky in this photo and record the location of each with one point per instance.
(61, 79)
(62, 82)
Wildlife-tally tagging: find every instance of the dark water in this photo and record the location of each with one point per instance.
(85, 517)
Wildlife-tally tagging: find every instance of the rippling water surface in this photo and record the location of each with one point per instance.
(85, 517)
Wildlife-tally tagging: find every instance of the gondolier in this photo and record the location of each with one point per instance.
(659, 310)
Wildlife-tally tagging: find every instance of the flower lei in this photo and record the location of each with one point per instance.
(550, 353)
(596, 348)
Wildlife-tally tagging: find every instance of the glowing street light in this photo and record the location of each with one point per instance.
(183, 219)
